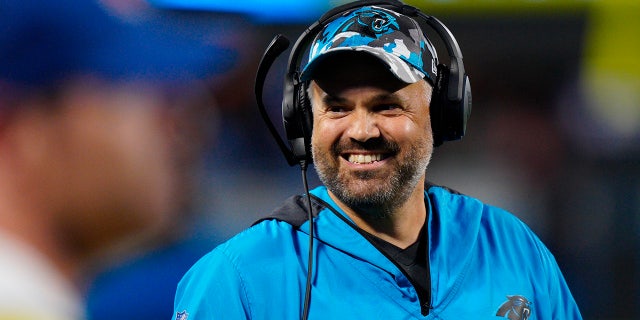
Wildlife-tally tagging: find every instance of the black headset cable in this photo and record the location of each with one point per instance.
(307, 293)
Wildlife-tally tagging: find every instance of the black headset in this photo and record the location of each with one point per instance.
(450, 102)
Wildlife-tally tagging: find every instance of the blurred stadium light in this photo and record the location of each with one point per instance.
(272, 11)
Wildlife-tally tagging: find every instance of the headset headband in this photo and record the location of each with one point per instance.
(456, 85)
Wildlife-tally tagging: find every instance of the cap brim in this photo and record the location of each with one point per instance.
(396, 66)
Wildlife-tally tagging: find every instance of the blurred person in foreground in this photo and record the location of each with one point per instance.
(140, 283)
(377, 241)
(86, 160)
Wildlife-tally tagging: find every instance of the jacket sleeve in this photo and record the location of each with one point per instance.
(212, 289)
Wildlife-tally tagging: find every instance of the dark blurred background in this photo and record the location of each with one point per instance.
(554, 137)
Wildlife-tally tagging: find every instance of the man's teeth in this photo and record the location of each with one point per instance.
(364, 158)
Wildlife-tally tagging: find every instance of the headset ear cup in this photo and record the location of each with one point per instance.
(292, 119)
(449, 117)
(306, 118)
(297, 119)
(438, 104)
(466, 104)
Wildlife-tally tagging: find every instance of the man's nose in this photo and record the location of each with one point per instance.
(363, 126)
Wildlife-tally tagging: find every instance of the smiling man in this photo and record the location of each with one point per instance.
(387, 245)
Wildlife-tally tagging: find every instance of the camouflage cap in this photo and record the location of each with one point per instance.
(395, 39)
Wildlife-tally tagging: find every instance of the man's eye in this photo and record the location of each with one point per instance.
(336, 109)
(388, 107)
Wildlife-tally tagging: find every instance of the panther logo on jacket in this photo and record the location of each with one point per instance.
(515, 308)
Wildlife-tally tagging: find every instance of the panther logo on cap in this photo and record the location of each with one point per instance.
(378, 22)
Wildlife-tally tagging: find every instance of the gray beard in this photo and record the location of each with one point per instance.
(387, 198)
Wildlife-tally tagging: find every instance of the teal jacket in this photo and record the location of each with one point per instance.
(484, 264)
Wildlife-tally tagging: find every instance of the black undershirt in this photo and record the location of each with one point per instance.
(413, 261)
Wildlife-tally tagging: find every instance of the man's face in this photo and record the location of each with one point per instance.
(114, 169)
(372, 137)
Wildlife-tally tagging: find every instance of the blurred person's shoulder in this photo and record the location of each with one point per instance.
(31, 288)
